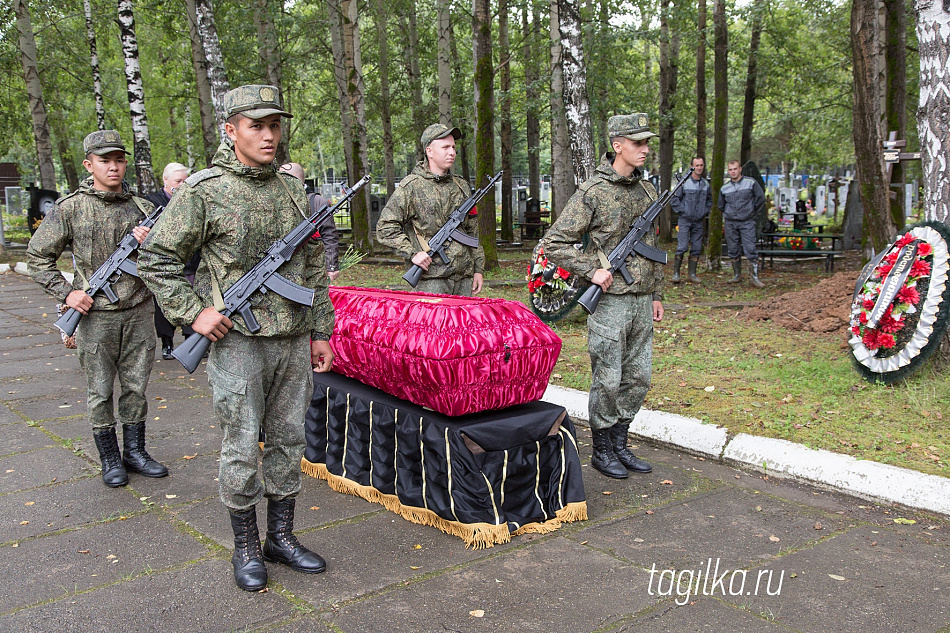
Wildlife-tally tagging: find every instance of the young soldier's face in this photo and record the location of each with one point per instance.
(441, 155)
(107, 170)
(735, 171)
(255, 140)
(633, 153)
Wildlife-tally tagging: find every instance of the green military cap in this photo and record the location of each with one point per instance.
(437, 131)
(254, 102)
(632, 126)
(102, 142)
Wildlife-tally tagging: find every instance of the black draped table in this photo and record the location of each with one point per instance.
(482, 477)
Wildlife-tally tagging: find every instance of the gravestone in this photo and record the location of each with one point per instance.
(853, 221)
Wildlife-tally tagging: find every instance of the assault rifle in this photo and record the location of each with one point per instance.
(450, 231)
(264, 277)
(632, 244)
(108, 274)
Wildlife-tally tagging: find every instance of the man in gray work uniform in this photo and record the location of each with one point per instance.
(692, 203)
(740, 199)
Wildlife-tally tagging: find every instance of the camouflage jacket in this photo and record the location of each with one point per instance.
(233, 213)
(604, 207)
(90, 223)
(421, 204)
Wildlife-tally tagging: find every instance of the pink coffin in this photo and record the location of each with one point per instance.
(455, 355)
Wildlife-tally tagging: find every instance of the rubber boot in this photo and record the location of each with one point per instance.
(603, 457)
(618, 438)
(677, 264)
(250, 574)
(737, 271)
(135, 458)
(113, 473)
(755, 275)
(280, 544)
(691, 267)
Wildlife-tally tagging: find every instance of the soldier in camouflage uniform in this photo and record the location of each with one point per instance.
(233, 212)
(114, 339)
(420, 206)
(620, 331)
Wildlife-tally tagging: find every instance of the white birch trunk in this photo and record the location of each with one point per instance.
(576, 102)
(217, 74)
(209, 129)
(562, 178)
(34, 91)
(933, 111)
(141, 146)
(94, 62)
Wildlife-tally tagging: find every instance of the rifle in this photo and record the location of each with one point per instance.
(450, 231)
(631, 244)
(264, 277)
(108, 274)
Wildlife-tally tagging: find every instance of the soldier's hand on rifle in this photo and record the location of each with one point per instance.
(603, 278)
(79, 301)
(478, 281)
(212, 324)
(139, 233)
(321, 356)
(422, 260)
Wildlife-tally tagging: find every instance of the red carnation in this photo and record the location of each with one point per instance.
(868, 304)
(920, 269)
(924, 249)
(905, 239)
(883, 269)
(855, 330)
(863, 318)
(870, 340)
(908, 295)
(886, 341)
(891, 257)
(563, 274)
(890, 325)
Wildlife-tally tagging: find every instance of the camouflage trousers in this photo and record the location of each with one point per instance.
(459, 287)
(117, 344)
(259, 383)
(620, 342)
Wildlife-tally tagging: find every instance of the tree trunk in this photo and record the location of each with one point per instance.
(209, 130)
(895, 107)
(268, 51)
(189, 138)
(484, 126)
(562, 173)
(34, 91)
(217, 74)
(507, 181)
(748, 107)
(933, 121)
(94, 62)
(869, 152)
(669, 55)
(720, 126)
(701, 84)
(461, 107)
(382, 32)
(359, 204)
(532, 120)
(67, 153)
(576, 102)
(415, 76)
(335, 11)
(142, 147)
(444, 17)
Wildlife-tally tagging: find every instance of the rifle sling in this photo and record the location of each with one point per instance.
(292, 199)
(423, 243)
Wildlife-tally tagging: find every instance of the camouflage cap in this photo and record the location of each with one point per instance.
(632, 126)
(102, 142)
(437, 131)
(254, 102)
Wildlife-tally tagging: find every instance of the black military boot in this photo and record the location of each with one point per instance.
(280, 544)
(113, 473)
(618, 438)
(603, 457)
(755, 275)
(691, 274)
(737, 271)
(135, 457)
(250, 574)
(677, 264)
(167, 348)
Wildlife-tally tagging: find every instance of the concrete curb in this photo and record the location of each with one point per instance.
(4, 268)
(781, 458)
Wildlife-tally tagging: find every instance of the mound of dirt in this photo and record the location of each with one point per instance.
(825, 307)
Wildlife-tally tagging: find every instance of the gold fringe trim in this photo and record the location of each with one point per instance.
(475, 535)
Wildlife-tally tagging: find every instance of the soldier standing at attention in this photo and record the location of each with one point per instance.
(114, 339)
(692, 203)
(740, 199)
(420, 206)
(233, 212)
(620, 331)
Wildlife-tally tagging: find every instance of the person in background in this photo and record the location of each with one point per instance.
(327, 231)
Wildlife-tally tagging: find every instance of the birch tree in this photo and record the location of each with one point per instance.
(562, 173)
(484, 125)
(94, 62)
(217, 74)
(34, 91)
(576, 102)
(933, 121)
(209, 128)
(141, 146)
